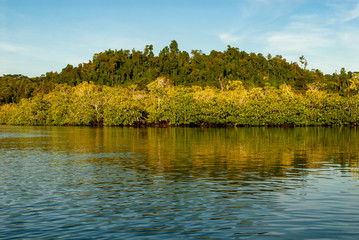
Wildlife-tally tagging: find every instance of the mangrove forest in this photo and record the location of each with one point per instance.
(177, 88)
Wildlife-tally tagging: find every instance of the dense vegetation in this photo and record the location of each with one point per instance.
(125, 67)
(166, 105)
(123, 87)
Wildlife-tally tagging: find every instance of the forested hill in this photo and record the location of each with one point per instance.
(126, 67)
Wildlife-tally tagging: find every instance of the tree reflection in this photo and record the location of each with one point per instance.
(233, 152)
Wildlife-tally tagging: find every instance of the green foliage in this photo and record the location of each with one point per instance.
(164, 104)
(13, 88)
(123, 107)
(229, 88)
(27, 112)
(218, 69)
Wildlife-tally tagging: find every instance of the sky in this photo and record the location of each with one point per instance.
(39, 36)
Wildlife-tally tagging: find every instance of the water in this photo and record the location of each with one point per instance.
(179, 183)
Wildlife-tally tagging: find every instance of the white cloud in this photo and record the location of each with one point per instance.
(325, 48)
(352, 14)
(296, 42)
(229, 38)
(307, 35)
(8, 47)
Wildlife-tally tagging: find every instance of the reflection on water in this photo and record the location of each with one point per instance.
(81, 182)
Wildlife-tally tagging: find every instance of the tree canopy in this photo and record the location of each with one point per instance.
(216, 69)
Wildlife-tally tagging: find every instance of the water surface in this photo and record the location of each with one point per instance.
(179, 183)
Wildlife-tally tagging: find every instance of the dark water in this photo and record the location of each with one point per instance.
(179, 183)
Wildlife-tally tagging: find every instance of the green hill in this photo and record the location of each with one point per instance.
(126, 67)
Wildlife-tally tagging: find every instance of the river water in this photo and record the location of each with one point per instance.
(179, 183)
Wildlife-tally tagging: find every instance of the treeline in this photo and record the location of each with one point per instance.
(216, 69)
(163, 104)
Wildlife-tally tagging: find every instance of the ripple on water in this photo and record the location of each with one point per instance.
(126, 183)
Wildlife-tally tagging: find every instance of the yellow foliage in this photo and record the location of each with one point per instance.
(234, 85)
(353, 84)
(160, 82)
(164, 103)
(86, 88)
(206, 94)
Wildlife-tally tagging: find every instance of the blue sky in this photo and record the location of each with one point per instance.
(42, 36)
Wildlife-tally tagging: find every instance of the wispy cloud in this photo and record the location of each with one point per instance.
(300, 36)
(229, 38)
(326, 41)
(324, 31)
(352, 14)
(295, 42)
(8, 47)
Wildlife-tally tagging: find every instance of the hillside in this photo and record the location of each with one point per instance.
(216, 69)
